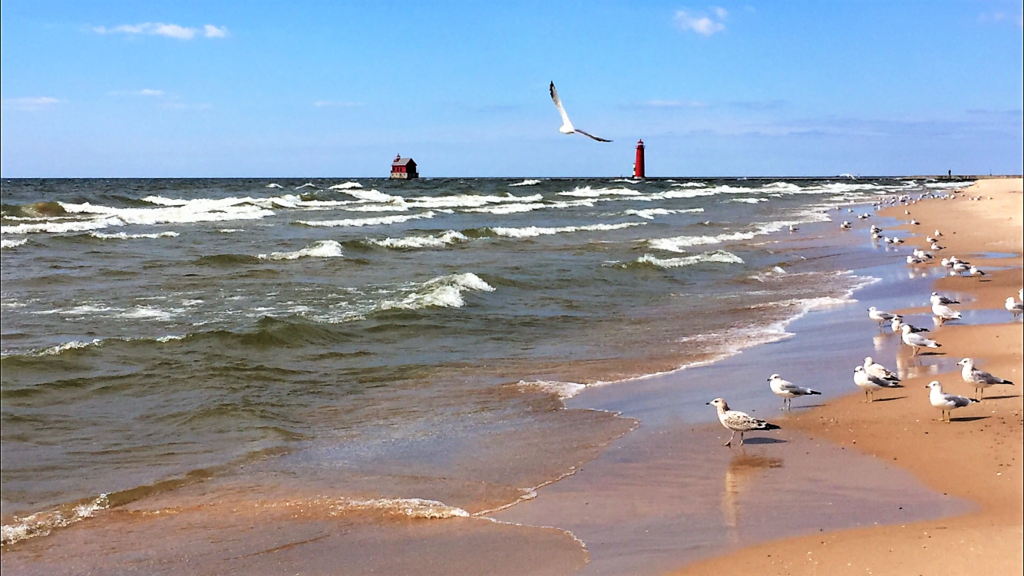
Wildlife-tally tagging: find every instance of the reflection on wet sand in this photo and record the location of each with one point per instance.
(741, 474)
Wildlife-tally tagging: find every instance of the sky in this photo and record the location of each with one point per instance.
(337, 89)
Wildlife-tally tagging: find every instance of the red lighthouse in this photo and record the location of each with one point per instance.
(638, 166)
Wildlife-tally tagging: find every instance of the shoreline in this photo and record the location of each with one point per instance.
(976, 457)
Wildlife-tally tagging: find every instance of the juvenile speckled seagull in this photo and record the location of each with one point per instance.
(788, 390)
(946, 402)
(738, 421)
(567, 127)
(979, 378)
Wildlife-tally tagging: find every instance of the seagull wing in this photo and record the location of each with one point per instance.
(590, 135)
(567, 126)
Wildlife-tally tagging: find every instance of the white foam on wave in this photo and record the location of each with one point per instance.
(176, 211)
(716, 257)
(346, 186)
(440, 241)
(126, 236)
(532, 231)
(61, 227)
(274, 185)
(42, 523)
(588, 192)
(749, 200)
(149, 313)
(73, 345)
(319, 249)
(410, 508)
(441, 292)
(526, 183)
(680, 243)
(372, 195)
(690, 185)
(650, 213)
(5, 243)
(740, 339)
(564, 390)
(469, 200)
(307, 185)
(359, 222)
(507, 208)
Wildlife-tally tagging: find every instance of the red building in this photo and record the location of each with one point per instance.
(404, 168)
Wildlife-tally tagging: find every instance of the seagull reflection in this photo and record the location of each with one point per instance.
(742, 470)
(879, 341)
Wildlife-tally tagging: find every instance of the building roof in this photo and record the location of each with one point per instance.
(403, 162)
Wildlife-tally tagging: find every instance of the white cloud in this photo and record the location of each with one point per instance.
(29, 103)
(149, 92)
(702, 23)
(167, 30)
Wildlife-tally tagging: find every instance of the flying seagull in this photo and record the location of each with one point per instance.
(567, 127)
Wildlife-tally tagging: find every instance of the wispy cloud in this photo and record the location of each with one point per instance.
(166, 30)
(704, 23)
(30, 103)
(336, 104)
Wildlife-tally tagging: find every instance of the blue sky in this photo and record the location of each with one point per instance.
(825, 87)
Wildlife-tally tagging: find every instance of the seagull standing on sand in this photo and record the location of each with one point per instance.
(915, 341)
(943, 312)
(946, 402)
(738, 421)
(1015, 307)
(869, 383)
(567, 127)
(788, 390)
(979, 378)
(878, 371)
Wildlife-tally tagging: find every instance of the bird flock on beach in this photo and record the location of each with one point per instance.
(872, 376)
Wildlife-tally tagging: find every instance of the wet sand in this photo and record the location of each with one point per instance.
(976, 457)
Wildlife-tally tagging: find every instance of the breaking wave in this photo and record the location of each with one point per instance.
(532, 231)
(716, 257)
(380, 221)
(321, 249)
(441, 292)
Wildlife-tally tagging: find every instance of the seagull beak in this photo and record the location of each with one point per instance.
(707, 403)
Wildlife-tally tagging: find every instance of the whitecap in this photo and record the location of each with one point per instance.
(588, 192)
(526, 183)
(650, 213)
(126, 236)
(717, 257)
(5, 243)
(446, 239)
(532, 231)
(320, 249)
(274, 185)
(441, 292)
(358, 222)
(346, 186)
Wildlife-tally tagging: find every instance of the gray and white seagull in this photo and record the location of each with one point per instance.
(567, 127)
(979, 379)
(787, 390)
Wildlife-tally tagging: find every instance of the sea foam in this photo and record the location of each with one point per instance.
(320, 249)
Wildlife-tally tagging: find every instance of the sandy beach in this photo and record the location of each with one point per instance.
(976, 457)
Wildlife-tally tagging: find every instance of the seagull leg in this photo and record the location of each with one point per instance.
(729, 443)
(741, 438)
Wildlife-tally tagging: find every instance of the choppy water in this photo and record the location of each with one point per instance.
(410, 336)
